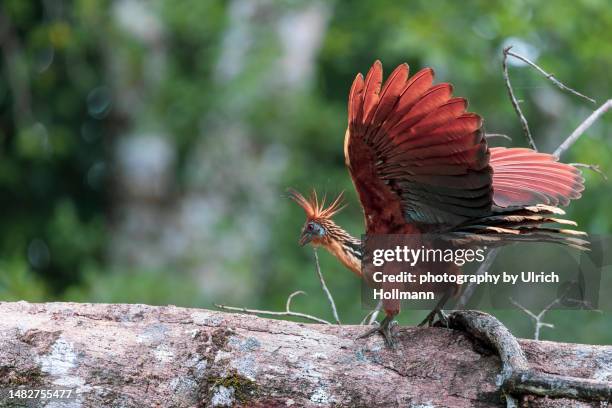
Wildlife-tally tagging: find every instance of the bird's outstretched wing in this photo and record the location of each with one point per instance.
(413, 150)
(417, 157)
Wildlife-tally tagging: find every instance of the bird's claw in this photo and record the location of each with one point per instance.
(443, 319)
(385, 328)
(429, 320)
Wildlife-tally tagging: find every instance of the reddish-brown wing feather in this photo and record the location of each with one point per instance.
(523, 177)
(416, 157)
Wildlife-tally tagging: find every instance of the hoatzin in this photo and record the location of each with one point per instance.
(420, 164)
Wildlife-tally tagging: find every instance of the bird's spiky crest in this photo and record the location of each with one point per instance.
(315, 209)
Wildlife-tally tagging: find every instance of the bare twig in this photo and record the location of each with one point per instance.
(287, 312)
(582, 128)
(551, 77)
(515, 102)
(537, 318)
(372, 315)
(469, 290)
(592, 167)
(471, 287)
(324, 287)
(363, 321)
(375, 313)
(494, 135)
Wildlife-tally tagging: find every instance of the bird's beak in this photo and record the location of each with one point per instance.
(305, 238)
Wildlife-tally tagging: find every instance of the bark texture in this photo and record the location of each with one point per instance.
(148, 356)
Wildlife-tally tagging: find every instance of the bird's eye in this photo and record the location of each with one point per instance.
(310, 227)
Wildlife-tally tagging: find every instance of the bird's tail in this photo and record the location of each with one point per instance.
(528, 188)
(537, 223)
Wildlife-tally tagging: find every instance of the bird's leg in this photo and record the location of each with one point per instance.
(385, 328)
(437, 311)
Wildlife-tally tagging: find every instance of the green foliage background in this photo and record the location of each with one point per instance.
(63, 110)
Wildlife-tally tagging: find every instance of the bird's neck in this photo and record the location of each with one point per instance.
(344, 246)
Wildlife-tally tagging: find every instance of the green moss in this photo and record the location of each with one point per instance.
(244, 388)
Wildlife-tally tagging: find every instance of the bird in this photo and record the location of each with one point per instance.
(420, 164)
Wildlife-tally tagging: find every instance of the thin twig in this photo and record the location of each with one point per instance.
(366, 318)
(582, 128)
(592, 167)
(537, 318)
(551, 77)
(471, 287)
(324, 287)
(372, 315)
(375, 314)
(515, 102)
(469, 290)
(287, 312)
(493, 135)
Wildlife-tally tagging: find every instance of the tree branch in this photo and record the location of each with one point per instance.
(471, 287)
(592, 167)
(593, 117)
(469, 291)
(499, 135)
(287, 312)
(517, 376)
(551, 77)
(537, 319)
(372, 315)
(324, 287)
(514, 101)
(166, 356)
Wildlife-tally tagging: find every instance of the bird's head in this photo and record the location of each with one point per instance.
(319, 227)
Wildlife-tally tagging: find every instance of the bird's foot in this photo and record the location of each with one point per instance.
(386, 329)
(429, 320)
